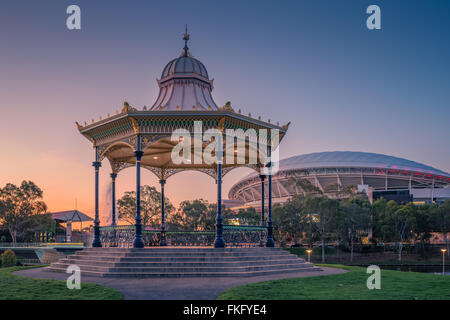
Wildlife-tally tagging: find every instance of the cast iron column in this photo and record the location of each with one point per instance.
(96, 164)
(219, 243)
(138, 243)
(163, 241)
(270, 242)
(113, 198)
(263, 223)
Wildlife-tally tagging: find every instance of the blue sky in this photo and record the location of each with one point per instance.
(313, 63)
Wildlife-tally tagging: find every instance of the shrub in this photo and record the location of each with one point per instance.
(9, 258)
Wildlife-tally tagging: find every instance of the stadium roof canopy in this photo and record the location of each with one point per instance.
(336, 159)
(355, 159)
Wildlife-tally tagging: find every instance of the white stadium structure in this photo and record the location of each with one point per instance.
(379, 175)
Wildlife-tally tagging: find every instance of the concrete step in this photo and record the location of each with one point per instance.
(64, 266)
(182, 262)
(96, 258)
(182, 269)
(181, 254)
(202, 259)
(211, 264)
(87, 262)
(177, 262)
(186, 274)
(164, 269)
(206, 274)
(184, 249)
(84, 273)
(187, 251)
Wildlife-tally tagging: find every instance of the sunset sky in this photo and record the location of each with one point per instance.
(313, 63)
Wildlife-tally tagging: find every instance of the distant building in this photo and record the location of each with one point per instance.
(378, 175)
(69, 217)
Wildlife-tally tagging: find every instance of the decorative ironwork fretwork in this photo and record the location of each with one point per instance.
(156, 171)
(105, 150)
(117, 166)
(234, 236)
(101, 152)
(209, 171)
(255, 167)
(166, 173)
(133, 141)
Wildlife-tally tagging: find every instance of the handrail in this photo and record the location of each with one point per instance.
(39, 244)
(226, 227)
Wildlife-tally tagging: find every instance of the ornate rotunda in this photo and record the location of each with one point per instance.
(144, 138)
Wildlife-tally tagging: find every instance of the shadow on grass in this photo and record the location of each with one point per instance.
(15, 287)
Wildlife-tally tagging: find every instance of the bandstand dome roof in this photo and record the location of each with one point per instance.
(184, 65)
(184, 98)
(184, 84)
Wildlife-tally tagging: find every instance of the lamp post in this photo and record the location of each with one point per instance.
(309, 254)
(263, 223)
(443, 261)
(96, 164)
(219, 243)
(163, 241)
(138, 242)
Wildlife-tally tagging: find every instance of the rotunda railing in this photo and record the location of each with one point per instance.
(234, 235)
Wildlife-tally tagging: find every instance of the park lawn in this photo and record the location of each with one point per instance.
(15, 287)
(395, 285)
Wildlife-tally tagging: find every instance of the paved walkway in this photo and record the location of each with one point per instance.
(174, 288)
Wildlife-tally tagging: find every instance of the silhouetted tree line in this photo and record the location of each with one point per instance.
(22, 212)
(347, 221)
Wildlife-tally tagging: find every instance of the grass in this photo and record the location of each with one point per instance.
(14, 287)
(395, 285)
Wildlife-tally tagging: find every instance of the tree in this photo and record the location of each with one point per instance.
(39, 223)
(322, 209)
(19, 206)
(150, 206)
(422, 225)
(378, 210)
(397, 222)
(440, 217)
(191, 212)
(355, 218)
(289, 219)
(200, 215)
(248, 216)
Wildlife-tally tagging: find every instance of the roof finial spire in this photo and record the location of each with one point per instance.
(185, 38)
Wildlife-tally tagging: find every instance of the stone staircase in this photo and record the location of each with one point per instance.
(182, 262)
